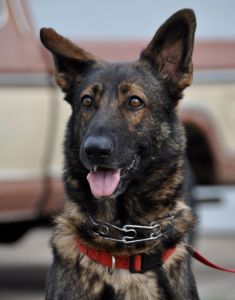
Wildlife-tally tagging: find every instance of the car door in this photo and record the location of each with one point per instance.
(26, 115)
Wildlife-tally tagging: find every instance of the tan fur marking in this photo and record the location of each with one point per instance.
(65, 234)
(67, 247)
(94, 90)
(164, 130)
(73, 182)
(169, 185)
(143, 285)
(61, 80)
(186, 217)
(175, 269)
(179, 254)
(125, 92)
(88, 273)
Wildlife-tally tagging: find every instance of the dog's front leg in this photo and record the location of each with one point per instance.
(62, 283)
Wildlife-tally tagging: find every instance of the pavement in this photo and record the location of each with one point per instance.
(24, 265)
(213, 284)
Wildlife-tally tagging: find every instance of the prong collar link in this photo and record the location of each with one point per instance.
(129, 234)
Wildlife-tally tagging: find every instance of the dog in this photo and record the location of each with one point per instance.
(123, 230)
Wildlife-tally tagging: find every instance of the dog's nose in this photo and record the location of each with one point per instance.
(98, 147)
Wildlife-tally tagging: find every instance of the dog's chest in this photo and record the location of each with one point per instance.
(134, 286)
(126, 286)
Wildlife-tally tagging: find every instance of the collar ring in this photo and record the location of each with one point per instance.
(111, 270)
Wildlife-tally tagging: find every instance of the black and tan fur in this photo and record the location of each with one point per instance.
(145, 134)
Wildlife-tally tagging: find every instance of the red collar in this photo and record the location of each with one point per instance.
(135, 264)
(143, 262)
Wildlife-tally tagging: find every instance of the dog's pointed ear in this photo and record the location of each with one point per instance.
(70, 60)
(170, 51)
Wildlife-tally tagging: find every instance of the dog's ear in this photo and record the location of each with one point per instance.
(170, 51)
(71, 62)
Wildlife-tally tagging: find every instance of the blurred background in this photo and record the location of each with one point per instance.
(33, 117)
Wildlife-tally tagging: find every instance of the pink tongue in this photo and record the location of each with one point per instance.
(103, 183)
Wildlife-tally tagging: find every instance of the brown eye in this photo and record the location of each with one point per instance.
(86, 101)
(135, 103)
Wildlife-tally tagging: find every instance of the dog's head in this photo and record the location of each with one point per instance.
(123, 118)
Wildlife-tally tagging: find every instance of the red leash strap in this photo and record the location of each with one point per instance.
(197, 255)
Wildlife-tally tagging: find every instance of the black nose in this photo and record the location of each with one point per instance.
(98, 147)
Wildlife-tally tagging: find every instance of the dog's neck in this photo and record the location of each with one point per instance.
(71, 226)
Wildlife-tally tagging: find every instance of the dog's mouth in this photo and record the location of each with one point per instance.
(104, 182)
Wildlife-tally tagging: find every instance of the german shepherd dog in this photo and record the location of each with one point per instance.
(124, 227)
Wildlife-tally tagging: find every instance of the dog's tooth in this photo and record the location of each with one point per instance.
(91, 170)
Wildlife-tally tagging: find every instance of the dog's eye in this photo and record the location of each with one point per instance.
(135, 102)
(86, 101)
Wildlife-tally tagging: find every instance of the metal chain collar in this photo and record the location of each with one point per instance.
(129, 234)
